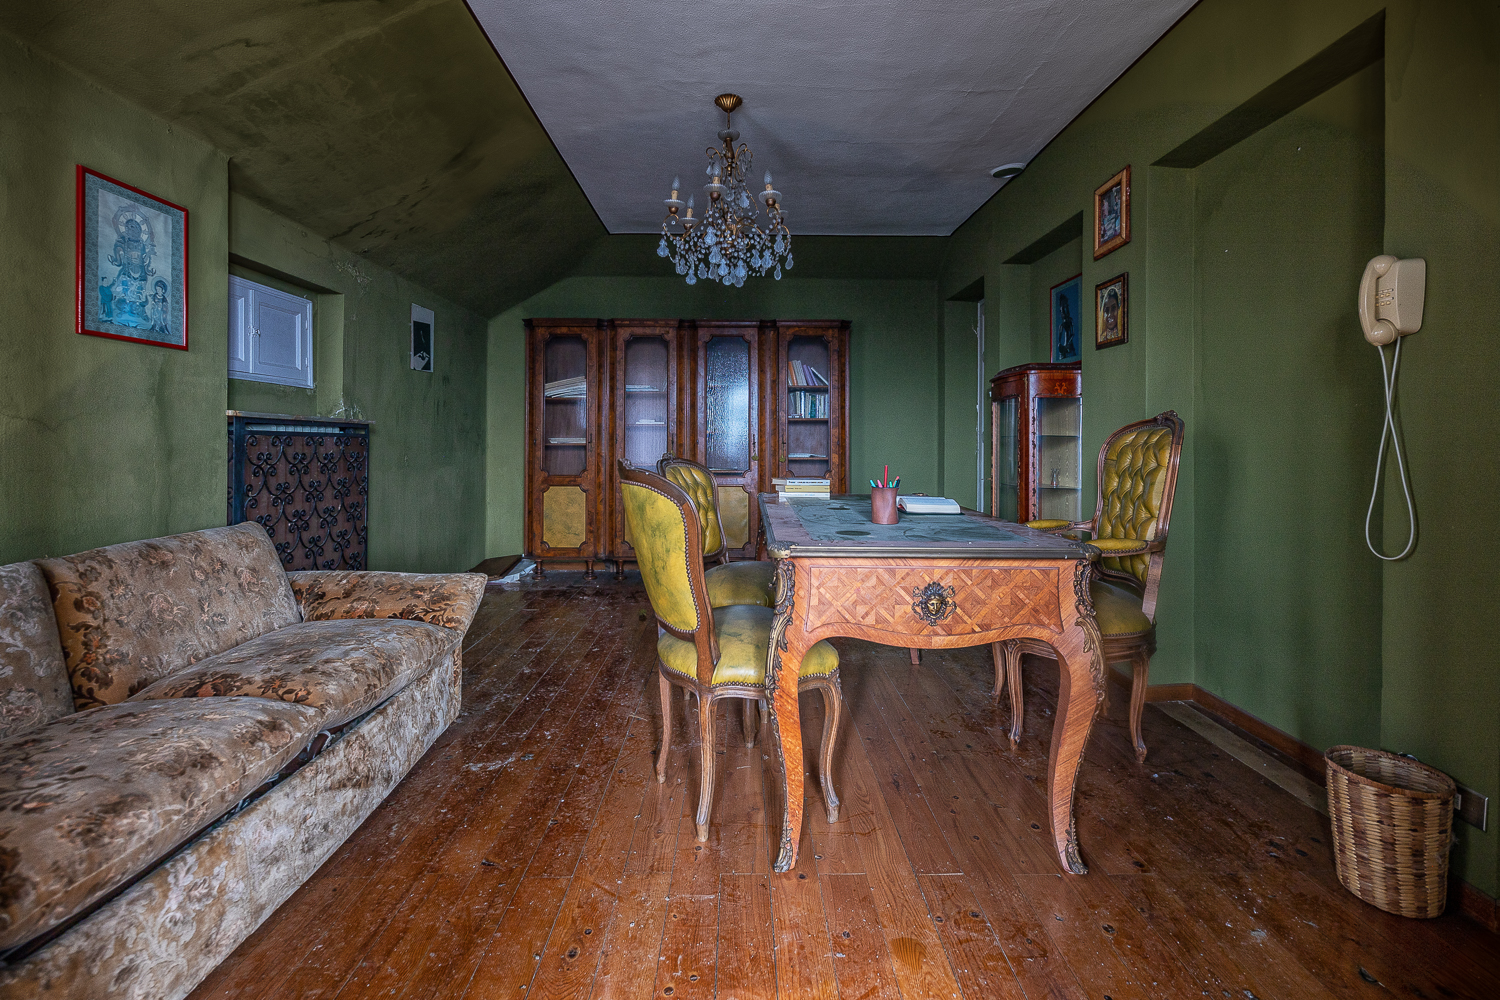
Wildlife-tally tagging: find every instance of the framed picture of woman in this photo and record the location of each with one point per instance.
(1112, 312)
(1112, 214)
(1066, 317)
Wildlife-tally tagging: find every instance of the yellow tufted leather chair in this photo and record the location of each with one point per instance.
(712, 652)
(744, 582)
(1137, 479)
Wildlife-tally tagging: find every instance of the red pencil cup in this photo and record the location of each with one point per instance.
(883, 505)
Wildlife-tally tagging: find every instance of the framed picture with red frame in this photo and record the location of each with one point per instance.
(132, 263)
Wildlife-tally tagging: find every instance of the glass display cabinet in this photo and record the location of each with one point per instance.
(642, 410)
(1037, 427)
(728, 424)
(562, 468)
(751, 400)
(812, 401)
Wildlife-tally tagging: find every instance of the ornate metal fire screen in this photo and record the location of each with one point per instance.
(306, 480)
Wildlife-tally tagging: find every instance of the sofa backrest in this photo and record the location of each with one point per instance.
(131, 614)
(34, 686)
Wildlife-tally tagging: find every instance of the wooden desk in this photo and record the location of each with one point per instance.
(936, 581)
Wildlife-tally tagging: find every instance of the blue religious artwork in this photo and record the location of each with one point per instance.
(132, 264)
(1065, 320)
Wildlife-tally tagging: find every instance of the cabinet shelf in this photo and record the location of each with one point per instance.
(807, 420)
(807, 388)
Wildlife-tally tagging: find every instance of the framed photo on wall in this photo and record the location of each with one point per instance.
(1112, 214)
(1112, 312)
(422, 337)
(132, 263)
(1067, 315)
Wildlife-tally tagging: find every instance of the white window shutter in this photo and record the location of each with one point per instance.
(275, 331)
(239, 327)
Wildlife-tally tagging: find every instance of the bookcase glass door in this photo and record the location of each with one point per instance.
(565, 406)
(1006, 502)
(647, 415)
(807, 445)
(1059, 423)
(727, 412)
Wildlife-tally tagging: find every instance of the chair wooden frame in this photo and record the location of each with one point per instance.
(1135, 649)
(705, 640)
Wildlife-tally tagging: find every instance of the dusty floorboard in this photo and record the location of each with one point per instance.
(532, 854)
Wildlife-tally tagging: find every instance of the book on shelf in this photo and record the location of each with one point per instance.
(641, 388)
(916, 504)
(804, 375)
(649, 423)
(803, 456)
(567, 440)
(566, 388)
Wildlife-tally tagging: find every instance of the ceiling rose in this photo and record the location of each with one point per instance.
(727, 244)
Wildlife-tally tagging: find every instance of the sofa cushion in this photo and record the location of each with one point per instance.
(130, 614)
(341, 668)
(447, 599)
(34, 686)
(89, 801)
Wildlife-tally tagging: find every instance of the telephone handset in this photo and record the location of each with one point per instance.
(1391, 296)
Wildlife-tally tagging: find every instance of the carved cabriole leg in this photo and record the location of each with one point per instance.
(1140, 666)
(706, 766)
(833, 703)
(783, 664)
(1013, 649)
(1080, 664)
(997, 653)
(666, 724)
(748, 721)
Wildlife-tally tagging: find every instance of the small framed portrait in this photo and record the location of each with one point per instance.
(1112, 312)
(422, 330)
(1112, 214)
(132, 263)
(1066, 319)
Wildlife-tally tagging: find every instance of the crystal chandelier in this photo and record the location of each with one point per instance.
(726, 245)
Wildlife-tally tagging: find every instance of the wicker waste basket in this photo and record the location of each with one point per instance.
(1392, 829)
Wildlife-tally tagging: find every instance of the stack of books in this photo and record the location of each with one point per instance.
(567, 388)
(818, 488)
(804, 374)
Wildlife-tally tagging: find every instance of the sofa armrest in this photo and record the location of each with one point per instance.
(446, 599)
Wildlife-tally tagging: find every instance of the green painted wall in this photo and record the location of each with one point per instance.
(427, 446)
(895, 345)
(101, 441)
(1269, 597)
(1287, 418)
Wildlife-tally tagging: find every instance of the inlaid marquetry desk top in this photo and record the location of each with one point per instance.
(841, 526)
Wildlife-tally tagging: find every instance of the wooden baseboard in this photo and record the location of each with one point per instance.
(1472, 902)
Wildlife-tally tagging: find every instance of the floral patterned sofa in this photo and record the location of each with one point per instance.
(186, 733)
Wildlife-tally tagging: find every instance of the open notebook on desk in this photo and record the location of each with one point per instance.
(919, 504)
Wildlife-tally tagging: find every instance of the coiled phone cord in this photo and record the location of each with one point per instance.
(1388, 381)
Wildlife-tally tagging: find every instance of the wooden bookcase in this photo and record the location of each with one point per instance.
(1036, 414)
(720, 392)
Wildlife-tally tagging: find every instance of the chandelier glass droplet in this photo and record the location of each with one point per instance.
(727, 243)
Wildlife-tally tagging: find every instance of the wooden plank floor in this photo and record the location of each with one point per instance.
(532, 854)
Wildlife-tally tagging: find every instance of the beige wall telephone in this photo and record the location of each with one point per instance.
(1391, 296)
